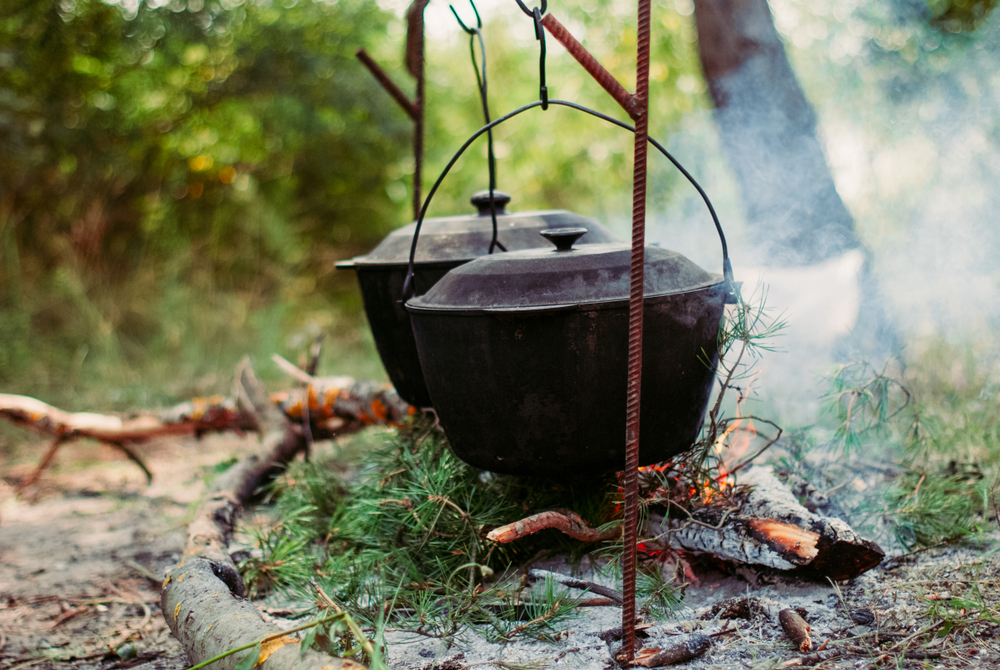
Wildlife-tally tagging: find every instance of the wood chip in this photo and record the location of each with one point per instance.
(680, 649)
(796, 629)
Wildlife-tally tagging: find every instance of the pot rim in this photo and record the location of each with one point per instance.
(412, 305)
(362, 262)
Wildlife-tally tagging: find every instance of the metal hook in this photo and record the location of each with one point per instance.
(536, 15)
(479, 20)
(524, 8)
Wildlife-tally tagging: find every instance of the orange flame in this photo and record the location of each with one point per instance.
(730, 448)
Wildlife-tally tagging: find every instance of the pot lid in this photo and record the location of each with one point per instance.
(461, 238)
(565, 276)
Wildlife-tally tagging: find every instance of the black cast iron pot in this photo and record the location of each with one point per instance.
(445, 243)
(525, 356)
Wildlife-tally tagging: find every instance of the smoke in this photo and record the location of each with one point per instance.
(909, 120)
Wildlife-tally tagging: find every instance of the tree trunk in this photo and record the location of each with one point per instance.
(768, 131)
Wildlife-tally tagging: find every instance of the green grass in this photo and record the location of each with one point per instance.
(938, 418)
(400, 541)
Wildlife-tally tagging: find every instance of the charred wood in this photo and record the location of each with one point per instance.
(770, 528)
(680, 649)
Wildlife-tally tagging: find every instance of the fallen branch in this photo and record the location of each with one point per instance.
(565, 521)
(772, 529)
(333, 403)
(328, 406)
(574, 583)
(202, 598)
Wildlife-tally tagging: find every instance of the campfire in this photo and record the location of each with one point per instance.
(735, 512)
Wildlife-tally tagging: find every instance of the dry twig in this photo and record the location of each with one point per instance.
(574, 583)
(565, 521)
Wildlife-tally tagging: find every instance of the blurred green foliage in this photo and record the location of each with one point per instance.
(177, 178)
(170, 174)
(957, 15)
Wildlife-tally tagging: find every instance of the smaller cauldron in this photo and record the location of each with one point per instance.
(445, 243)
(525, 355)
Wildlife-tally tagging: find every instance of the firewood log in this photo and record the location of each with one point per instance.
(770, 528)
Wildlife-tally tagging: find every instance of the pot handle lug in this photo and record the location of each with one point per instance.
(563, 238)
(481, 199)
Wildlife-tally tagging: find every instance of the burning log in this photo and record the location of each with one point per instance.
(767, 526)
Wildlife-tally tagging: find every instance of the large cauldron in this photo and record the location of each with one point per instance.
(524, 355)
(445, 243)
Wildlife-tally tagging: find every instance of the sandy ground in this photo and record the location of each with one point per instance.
(81, 554)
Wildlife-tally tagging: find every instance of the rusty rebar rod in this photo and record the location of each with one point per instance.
(591, 65)
(637, 107)
(388, 84)
(641, 116)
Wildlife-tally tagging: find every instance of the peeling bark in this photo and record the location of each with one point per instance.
(770, 528)
(202, 597)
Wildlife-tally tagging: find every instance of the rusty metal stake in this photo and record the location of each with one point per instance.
(413, 108)
(635, 329)
(637, 106)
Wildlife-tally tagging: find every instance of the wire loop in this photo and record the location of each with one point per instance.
(474, 35)
(524, 8)
(468, 30)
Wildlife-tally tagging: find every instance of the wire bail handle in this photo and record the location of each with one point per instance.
(481, 87)
(731, 287)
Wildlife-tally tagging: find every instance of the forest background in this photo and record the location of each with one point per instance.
(178, 178)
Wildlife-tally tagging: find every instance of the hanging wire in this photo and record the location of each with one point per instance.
(536, 15)
(474, 34)
(531, 12)
(727, 269)
(543, 91)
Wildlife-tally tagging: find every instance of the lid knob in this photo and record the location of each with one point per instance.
(481, 199)
(563, 238)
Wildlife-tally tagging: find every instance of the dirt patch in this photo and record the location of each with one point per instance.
(83, 551)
